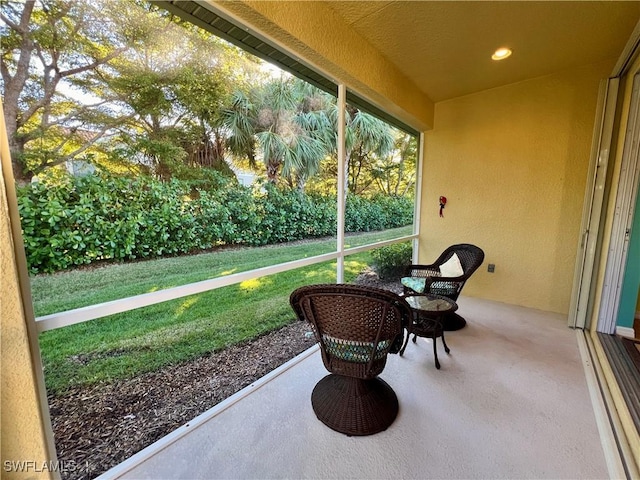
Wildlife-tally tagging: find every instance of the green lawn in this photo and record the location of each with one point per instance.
(149, 338)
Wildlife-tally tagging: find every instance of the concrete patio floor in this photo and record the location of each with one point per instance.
(513, 400)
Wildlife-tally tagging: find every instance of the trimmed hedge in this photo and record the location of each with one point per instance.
(99, 217)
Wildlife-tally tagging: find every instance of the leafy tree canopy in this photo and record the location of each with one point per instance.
(126, 86)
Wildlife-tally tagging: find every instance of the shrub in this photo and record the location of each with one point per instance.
(390, 261)
(380, 212)
(396, 211)
(80, 220)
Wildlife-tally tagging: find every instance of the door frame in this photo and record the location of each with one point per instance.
(623, 217)
(582, 297)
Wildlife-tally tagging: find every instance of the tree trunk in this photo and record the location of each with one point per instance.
(16, 150)
(13, 85)
(272, 172)
(346, 175)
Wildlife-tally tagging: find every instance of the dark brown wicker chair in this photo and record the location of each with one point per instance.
(470, 256)
(356, 328)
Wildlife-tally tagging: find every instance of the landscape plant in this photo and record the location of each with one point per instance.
(391, 260)
(81, 220)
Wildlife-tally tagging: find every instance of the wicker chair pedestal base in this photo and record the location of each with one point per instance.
(452, 322)
(354, 406)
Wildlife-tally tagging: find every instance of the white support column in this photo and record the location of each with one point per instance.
(418, 198)
(342, 102)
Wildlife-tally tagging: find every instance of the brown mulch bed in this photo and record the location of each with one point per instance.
(99, 426)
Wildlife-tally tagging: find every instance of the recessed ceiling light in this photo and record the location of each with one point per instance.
(501, 53)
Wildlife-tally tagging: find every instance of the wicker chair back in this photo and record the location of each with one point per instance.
(355, 326)
(470, 256)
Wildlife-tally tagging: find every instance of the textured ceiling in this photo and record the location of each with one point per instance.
(445, 47)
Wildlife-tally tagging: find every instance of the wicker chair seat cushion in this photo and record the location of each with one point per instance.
(414, 283)
(418, 284)
(354, 351)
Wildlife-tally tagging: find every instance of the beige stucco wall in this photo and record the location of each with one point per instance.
(22, 436)
(314, 32)
(512, 162)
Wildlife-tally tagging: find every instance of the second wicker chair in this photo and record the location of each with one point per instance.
(436, 280)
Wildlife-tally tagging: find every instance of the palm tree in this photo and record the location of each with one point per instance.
(278, 122)
(395, 174)
(367, 138)
(292, 125)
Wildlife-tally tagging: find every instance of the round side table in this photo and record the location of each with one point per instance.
(428, 311)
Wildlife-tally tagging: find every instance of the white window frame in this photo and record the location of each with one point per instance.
(92, 312)
(101, 310)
